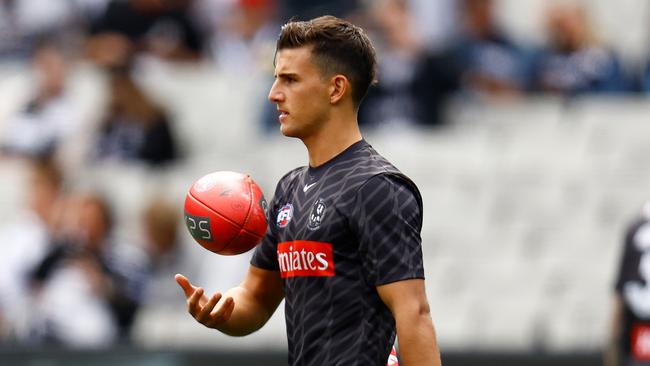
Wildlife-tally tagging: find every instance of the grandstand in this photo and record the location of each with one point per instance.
(525, 201)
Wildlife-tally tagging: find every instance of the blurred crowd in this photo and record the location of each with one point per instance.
(428, 51)
(65, 278)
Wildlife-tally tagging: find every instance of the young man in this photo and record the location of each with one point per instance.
(630, 334)
(343, 244)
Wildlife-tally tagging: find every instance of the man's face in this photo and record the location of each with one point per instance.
(300, 92)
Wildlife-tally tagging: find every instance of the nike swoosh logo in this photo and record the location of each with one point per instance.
(306, 188)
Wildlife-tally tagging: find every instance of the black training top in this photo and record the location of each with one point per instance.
(335, 233)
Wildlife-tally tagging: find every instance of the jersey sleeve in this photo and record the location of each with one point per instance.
(387, 219)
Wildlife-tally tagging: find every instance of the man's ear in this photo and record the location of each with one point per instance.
(339, 86)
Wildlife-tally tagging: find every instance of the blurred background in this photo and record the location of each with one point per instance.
(525, 124)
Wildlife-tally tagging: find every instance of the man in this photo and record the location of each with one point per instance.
(630, 334)
(343, 244)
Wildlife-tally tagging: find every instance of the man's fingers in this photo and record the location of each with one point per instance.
(222, 312)
(229, 306)
(204, 315)
(193, 302)
(185, 284)
(209, 312)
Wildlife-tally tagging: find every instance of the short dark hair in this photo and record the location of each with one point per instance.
(338, 47)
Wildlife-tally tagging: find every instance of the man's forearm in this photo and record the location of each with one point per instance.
(417, 341)
(248, 314)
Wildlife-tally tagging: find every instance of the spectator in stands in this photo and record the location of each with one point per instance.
(23, 23)
(413, 81)
(492, 65)
(50, 116)
(25, 240)
(436, 22)
(162, 28)
(245, 41)
(574, 62)
(135, 129)
(643, 82)
(165, 254)
(85, 290)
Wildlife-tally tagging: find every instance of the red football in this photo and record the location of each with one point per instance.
(225, 212)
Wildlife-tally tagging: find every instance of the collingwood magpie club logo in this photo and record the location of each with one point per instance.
(316, 215)
(264, 206)
(285, 215)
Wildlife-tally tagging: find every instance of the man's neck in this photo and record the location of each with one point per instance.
(332, 140)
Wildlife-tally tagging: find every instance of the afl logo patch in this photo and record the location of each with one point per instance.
(316, 215)
(285, 215)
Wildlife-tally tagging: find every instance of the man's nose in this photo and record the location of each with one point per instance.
(275, 95)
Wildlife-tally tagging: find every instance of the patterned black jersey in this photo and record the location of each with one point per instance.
(335, 233)
(633, 286)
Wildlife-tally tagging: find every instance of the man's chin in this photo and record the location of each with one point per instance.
(288, 132)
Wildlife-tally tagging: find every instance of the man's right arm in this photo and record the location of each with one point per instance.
(241, 310)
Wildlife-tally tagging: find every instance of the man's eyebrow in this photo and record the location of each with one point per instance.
(286, 75)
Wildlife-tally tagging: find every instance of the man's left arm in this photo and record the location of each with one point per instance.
(415, 332)
(388, 221)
